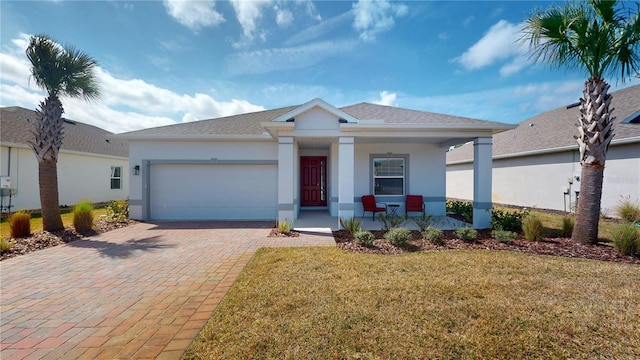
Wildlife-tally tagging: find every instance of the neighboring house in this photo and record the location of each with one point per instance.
(91, 164)
(273, 164)
(537, 164)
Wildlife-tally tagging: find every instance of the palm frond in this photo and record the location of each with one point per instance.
(62, 70)
(593, 35)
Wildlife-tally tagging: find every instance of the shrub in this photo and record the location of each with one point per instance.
(83, 216)
(466, 233)
(285, 226)
(351, 225)
(20, 224)
(391, 221)
(532, 228)
(567, 226)
(423, 221)
(434, 235)
(626, 239)
(398, 236)
(364, 238)
(118, 210)
(464, 208)
(504, 236)
(629, 210)
(5, 245)
(505, 220)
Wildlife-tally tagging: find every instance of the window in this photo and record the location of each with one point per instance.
(388, 176)
(116, 177)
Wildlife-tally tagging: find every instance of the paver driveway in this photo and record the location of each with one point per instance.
(144, 291)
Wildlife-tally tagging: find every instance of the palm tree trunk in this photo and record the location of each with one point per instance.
(595, 134)
(585, 229)
(47, 139)
(48, 176)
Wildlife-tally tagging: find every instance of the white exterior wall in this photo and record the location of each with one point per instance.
(191, 150)
(80, 176)
(539, 181)
(426, 173)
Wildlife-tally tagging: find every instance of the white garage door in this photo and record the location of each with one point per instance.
(213, 192)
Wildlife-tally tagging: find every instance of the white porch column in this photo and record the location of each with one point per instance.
(345, 177)
(285, 178)
(482, 169)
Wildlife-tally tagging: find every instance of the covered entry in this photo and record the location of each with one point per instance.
(313, 181)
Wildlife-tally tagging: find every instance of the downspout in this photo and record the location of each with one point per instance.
(9, 163)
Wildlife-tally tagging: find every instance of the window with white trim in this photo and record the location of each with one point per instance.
(116, 177)
(388, 176)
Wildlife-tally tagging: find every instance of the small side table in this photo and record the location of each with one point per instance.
(393, 208)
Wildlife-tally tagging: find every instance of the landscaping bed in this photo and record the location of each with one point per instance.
(548, 246)
(43, 239)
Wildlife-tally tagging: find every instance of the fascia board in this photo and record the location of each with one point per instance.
(65, 151)
(631, 140)
(195, 137)
(493, 128)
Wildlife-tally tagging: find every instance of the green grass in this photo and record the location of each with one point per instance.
(324, 303)
(36, 221)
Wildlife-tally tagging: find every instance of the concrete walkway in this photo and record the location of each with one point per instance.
(140, 292)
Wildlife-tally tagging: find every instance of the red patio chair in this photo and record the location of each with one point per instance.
(414, 203)
(369, 204)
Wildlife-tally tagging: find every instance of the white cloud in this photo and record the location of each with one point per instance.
(387, 98)
(284, 17)
(498, 44)
(248, 13)
(194, 14)
(515, 103)
(374, 17)
(265, 61)
(321, 29)
(124, 105)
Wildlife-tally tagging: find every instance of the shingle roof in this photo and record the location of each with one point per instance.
(242, 124)
(395, 115)
(249, 124)
(77, 136)
(556, 128)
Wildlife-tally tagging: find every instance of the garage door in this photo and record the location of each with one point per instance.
(213, 192)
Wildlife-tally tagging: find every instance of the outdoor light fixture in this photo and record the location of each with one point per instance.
(136, 170)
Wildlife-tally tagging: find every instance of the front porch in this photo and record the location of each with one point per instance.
(322, 219)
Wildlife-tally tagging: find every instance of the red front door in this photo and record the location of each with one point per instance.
(313, 180)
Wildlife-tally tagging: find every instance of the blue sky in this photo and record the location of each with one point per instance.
(163, 62)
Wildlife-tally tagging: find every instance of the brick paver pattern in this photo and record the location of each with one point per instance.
(144, 291)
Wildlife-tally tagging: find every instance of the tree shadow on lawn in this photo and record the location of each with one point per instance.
(122, 250)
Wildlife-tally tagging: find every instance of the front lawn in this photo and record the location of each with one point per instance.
(325, 303)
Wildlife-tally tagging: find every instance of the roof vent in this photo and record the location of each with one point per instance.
(342, 121)
(530, 124)
(633, 119)
(291, 120)
(573, 105)
(69, 121)
(109, 141)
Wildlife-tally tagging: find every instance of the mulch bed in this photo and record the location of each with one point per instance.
(44, 239)
(276, 233)
(548, 246)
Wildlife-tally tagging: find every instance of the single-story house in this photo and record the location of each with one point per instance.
(273, 164)
(537, 164)
(91, 164)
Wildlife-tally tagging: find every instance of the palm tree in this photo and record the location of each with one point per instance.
(601, 37)
(61, 71)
